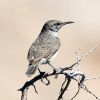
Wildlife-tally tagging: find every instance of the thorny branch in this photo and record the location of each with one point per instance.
(68, 72)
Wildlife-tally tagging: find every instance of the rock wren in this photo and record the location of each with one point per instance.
(45, 46)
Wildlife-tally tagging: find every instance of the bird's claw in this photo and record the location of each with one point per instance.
(57, 71)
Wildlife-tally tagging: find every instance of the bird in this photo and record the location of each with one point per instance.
(46, 45)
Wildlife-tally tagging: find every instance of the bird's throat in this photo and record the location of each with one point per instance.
(53, 34)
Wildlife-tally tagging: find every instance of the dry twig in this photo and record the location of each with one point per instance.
(68, 72)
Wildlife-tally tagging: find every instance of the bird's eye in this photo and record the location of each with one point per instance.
(57, 24)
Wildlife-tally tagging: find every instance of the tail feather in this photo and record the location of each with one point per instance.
(31, 70)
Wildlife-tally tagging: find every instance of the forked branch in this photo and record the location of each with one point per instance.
(69, 74)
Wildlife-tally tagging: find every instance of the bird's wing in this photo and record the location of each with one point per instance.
(43, 49)
(53, 48)
(34, 51)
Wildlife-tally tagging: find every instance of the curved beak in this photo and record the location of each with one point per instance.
(69, 22)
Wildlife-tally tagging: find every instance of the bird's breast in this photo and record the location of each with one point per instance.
(51, 59)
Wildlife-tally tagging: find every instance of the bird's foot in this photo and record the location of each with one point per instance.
(57, 71)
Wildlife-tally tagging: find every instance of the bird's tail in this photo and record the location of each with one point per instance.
(31, 70)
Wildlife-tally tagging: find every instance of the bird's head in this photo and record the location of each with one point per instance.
(55, 25)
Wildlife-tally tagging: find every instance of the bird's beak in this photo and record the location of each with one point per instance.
(69, 22)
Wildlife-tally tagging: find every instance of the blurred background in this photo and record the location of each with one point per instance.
(20, 23)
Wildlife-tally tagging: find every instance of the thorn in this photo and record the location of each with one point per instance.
(35, 88)
(41, 73)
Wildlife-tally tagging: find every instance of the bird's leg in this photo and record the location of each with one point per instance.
(48, 62)
(54, 69)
